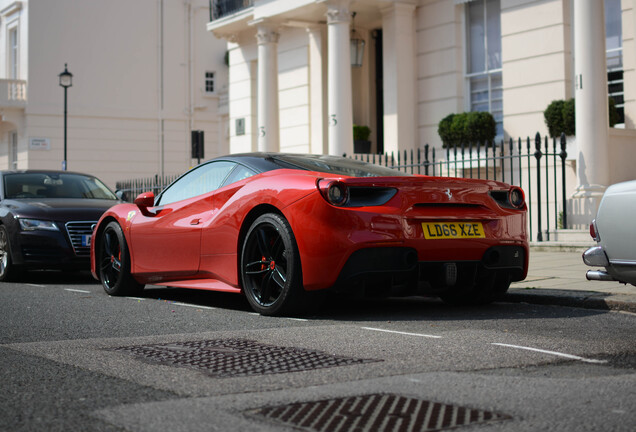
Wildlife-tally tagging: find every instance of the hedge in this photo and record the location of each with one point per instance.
(468, 127)
(560, 117)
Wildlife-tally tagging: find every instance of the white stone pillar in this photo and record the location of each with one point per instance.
(267, 112)
(592, 129)
(339, 105)
(400, 90)
(317, 89)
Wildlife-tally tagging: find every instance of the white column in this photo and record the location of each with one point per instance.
(592, 130)
(268, 124)
(400, 91)
(317, 92)
(339, 105)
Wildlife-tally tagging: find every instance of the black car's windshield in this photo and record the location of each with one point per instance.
(54, 185)
(336, 165)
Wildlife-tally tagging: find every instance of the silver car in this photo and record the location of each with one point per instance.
(614, 230)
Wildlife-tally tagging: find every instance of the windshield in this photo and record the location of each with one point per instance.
(337, 165)
(54, 185)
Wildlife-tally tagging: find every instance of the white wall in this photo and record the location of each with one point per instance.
(115, 110)
(439, 66)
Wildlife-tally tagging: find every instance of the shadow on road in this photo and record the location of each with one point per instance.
(342, 308)
(58, 277)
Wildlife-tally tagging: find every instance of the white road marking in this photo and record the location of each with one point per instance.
(36, 285)
(298, 319)
(136, 298)
(555, 353)
(77, 291)
(194, 306)
(402, 333)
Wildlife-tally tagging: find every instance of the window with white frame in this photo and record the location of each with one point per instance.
(483, 68)
(13, 52)
(209, 82)
(614, 55)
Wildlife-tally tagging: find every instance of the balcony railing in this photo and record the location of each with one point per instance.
(223, 8)
(13, 93)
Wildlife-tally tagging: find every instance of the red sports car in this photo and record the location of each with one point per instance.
(281, 228)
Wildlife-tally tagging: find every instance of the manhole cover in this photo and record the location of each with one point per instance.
(237, 357)
(377, 413)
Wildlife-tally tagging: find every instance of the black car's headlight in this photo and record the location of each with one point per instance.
(36, 224)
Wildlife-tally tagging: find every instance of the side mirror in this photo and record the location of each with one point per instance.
(145, 200)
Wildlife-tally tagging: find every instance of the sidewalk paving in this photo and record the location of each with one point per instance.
(558, 277)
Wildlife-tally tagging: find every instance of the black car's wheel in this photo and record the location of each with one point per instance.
(113, 263)
(8, 271)
(270, 267)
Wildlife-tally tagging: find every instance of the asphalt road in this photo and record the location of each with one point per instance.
(74, 358)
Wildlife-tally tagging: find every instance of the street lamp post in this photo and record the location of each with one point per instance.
(66, 81)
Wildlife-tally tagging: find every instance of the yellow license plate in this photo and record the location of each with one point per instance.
(453, 230)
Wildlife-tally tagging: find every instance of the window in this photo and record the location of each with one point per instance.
(614, 55)
(55, 185)
(483, 69)
(202, 179)
(13, 53)
(209, 82)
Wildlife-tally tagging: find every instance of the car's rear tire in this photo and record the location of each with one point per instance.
(8, 271)
(271, 272)
(113, 263)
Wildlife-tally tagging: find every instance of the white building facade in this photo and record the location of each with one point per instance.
(292, 86)
(145, 74)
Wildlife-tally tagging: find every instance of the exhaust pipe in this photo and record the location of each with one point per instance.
(598, 275)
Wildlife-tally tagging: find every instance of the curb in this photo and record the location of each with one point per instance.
(574, 299)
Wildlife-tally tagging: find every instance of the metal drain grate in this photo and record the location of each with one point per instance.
(377, 413)
(225, 358)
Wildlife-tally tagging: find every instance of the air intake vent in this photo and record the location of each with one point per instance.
(80, 235)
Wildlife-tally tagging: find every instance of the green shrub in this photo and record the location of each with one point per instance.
(444, 130)
(569, 117)
(471, 127)
(361, 133)
(560, 116)
(553, 116)
(480, 127)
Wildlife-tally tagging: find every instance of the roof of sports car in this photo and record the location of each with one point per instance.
(268, 161)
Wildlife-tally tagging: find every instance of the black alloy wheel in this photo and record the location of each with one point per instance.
(270, 267)
(113, 263)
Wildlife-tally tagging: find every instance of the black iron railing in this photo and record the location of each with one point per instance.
(223, 8)
(131, 188)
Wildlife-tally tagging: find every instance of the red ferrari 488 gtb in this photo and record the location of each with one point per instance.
(280, 227)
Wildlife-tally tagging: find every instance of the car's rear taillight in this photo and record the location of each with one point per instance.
(516, 197)
(594, 231)
(339, 194)
(335, 192)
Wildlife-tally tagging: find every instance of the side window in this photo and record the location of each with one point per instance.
(239, 173)
(199, 181)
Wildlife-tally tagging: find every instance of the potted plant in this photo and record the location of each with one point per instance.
(361, 143)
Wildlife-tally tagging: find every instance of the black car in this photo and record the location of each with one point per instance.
(47, 219)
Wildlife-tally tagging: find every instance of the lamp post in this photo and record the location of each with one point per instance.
(66, 81)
